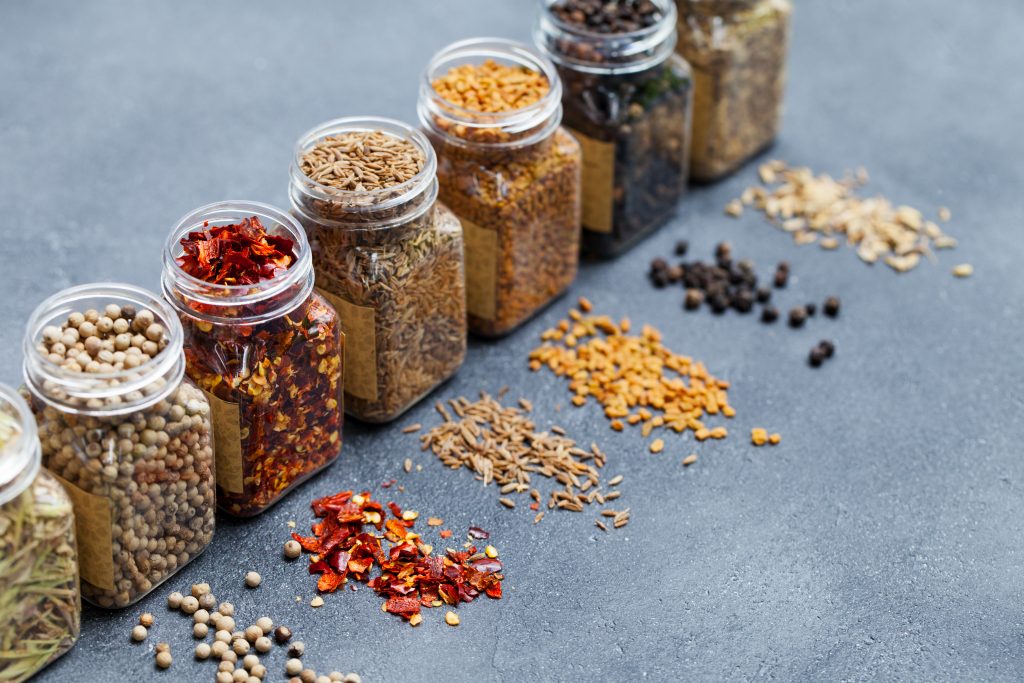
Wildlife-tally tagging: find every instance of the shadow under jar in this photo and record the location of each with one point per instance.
(267, 353)
(737, 49)
(513, 179)
(125, 433)
(40, 613)
(627, 99)
(390, 259)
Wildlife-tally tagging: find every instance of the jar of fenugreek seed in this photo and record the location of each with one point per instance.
(125, 433)
(262, 345)
(737, 49)
(41, 606)
(387, 254)
(509, 171)
(627, 99)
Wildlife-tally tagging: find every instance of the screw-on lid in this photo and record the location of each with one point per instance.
(19, 445)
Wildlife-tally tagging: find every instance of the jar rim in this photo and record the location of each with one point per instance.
(650, 45)
(392, 195)
(545, 114)
(38, 370)
(19, 462)
(217, 295)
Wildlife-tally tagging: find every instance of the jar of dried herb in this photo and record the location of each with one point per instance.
(125, 433)
(509, 171)
(387, 254)
(627, 99)
(40, 611)
(264, 347)
(737, 49)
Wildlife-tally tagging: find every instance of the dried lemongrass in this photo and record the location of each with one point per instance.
(39, 599)
(501, 445)
(818, 208)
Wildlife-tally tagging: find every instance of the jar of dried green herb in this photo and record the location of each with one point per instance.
(263, 346)
(387, 254)
(627, 99)
(125, 433)
(509, 171)
(41, 606)
(737, 49)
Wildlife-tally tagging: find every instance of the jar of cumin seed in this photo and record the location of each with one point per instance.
(509, 171)
(387, 255)
(737, 49)
(627, 99)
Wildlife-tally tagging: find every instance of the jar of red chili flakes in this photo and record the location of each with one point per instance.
(387, 255)
(264, 347)
(510, 172)
(125, 432)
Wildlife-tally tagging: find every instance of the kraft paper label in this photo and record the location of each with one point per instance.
(227, 439)
(360, 327)
(598, 182)
(94, 532)
(481, 247)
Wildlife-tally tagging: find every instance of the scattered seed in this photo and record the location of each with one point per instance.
(139, 633)
(451, 618)
(292, 549)
(507, 502)
(163, 659)
(963, 270)
(203, 651)
(282, 634)
(412, 428)
(252, 579)
(616, 480)
(174, 600)
(316, 602)
(758, 436)
(689, 460)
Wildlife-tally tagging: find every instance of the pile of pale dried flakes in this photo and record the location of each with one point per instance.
(501, 444)
(636, 378)
(819, 209)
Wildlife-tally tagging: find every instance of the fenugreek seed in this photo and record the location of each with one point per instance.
(451, 618)
(758, 436)
(139, 633)
(252, 579)
(689, 460)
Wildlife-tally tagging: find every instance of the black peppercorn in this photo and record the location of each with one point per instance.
(811, 309)
(743, 301)
(681, 247)
(831, 306)
(694, 298)
(781, 278)
(769, 314)
(723, 250)
(827, 348)
(816, 358)
(718, 303)
(764, 295)
(797, 317)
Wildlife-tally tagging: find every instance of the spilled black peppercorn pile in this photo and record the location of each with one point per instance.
(727, 284)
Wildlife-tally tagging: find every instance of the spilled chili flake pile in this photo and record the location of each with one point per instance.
(238, 254)
(410, 575)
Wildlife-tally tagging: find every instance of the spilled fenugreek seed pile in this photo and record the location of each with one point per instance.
(362, 161)
(491, 87)
(501, 444)
(820, 209)
(635, 377)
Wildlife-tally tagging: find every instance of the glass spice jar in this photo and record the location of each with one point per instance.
(627, 100)
(390, 259)
(268, 355)
(40, 612)
(513, 179)
(132, 446)
(737, 49)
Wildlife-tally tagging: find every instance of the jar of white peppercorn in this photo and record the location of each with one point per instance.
(125, 433)
(41, 606)
(737, 49)
(387, 255)
(627, 99)
(261, 343)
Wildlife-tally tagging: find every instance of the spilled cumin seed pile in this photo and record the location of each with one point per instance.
(501, 444)
(362, 161)
(635, 378)
(819, 209)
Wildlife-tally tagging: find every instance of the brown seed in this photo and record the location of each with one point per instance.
(657, 446)
(963, 270)
(507, 502)
(600, 525)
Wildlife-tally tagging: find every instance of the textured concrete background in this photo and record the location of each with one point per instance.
(882, 540)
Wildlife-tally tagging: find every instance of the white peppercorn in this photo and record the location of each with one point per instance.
(323, 679)
(252, 579)
(139, 633)
(293, 666)
(174, 600)
(263, 644)
(162, 647)
(249, 661)
(240, 676)
(336, 676)
(200, 630)
(207, 601)
(224, 677)
(163, 659)
(227, 609)
(252, 633)
(265, 623)
(259, 671)
(146, 619)
(225, 624)
(296, 649)
(353, 678)
(292, 549)
(189, 605)
(307, 676)
(240, 646)
(222, 636)
(253, 679)
(229, 656)
(219, 647)
(225, 665)
(203, 651)
(201, 616)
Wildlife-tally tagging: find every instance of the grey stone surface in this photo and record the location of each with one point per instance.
(882, 540)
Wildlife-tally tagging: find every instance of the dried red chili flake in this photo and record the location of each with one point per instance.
(408, 578)
(237, 254)
(446, 533)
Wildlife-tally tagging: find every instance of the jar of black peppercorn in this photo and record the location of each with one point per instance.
(737, 49)
(627, 98)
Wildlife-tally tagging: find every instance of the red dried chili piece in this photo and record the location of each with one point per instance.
(240, 253)
(446, 533)
(403, 607)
